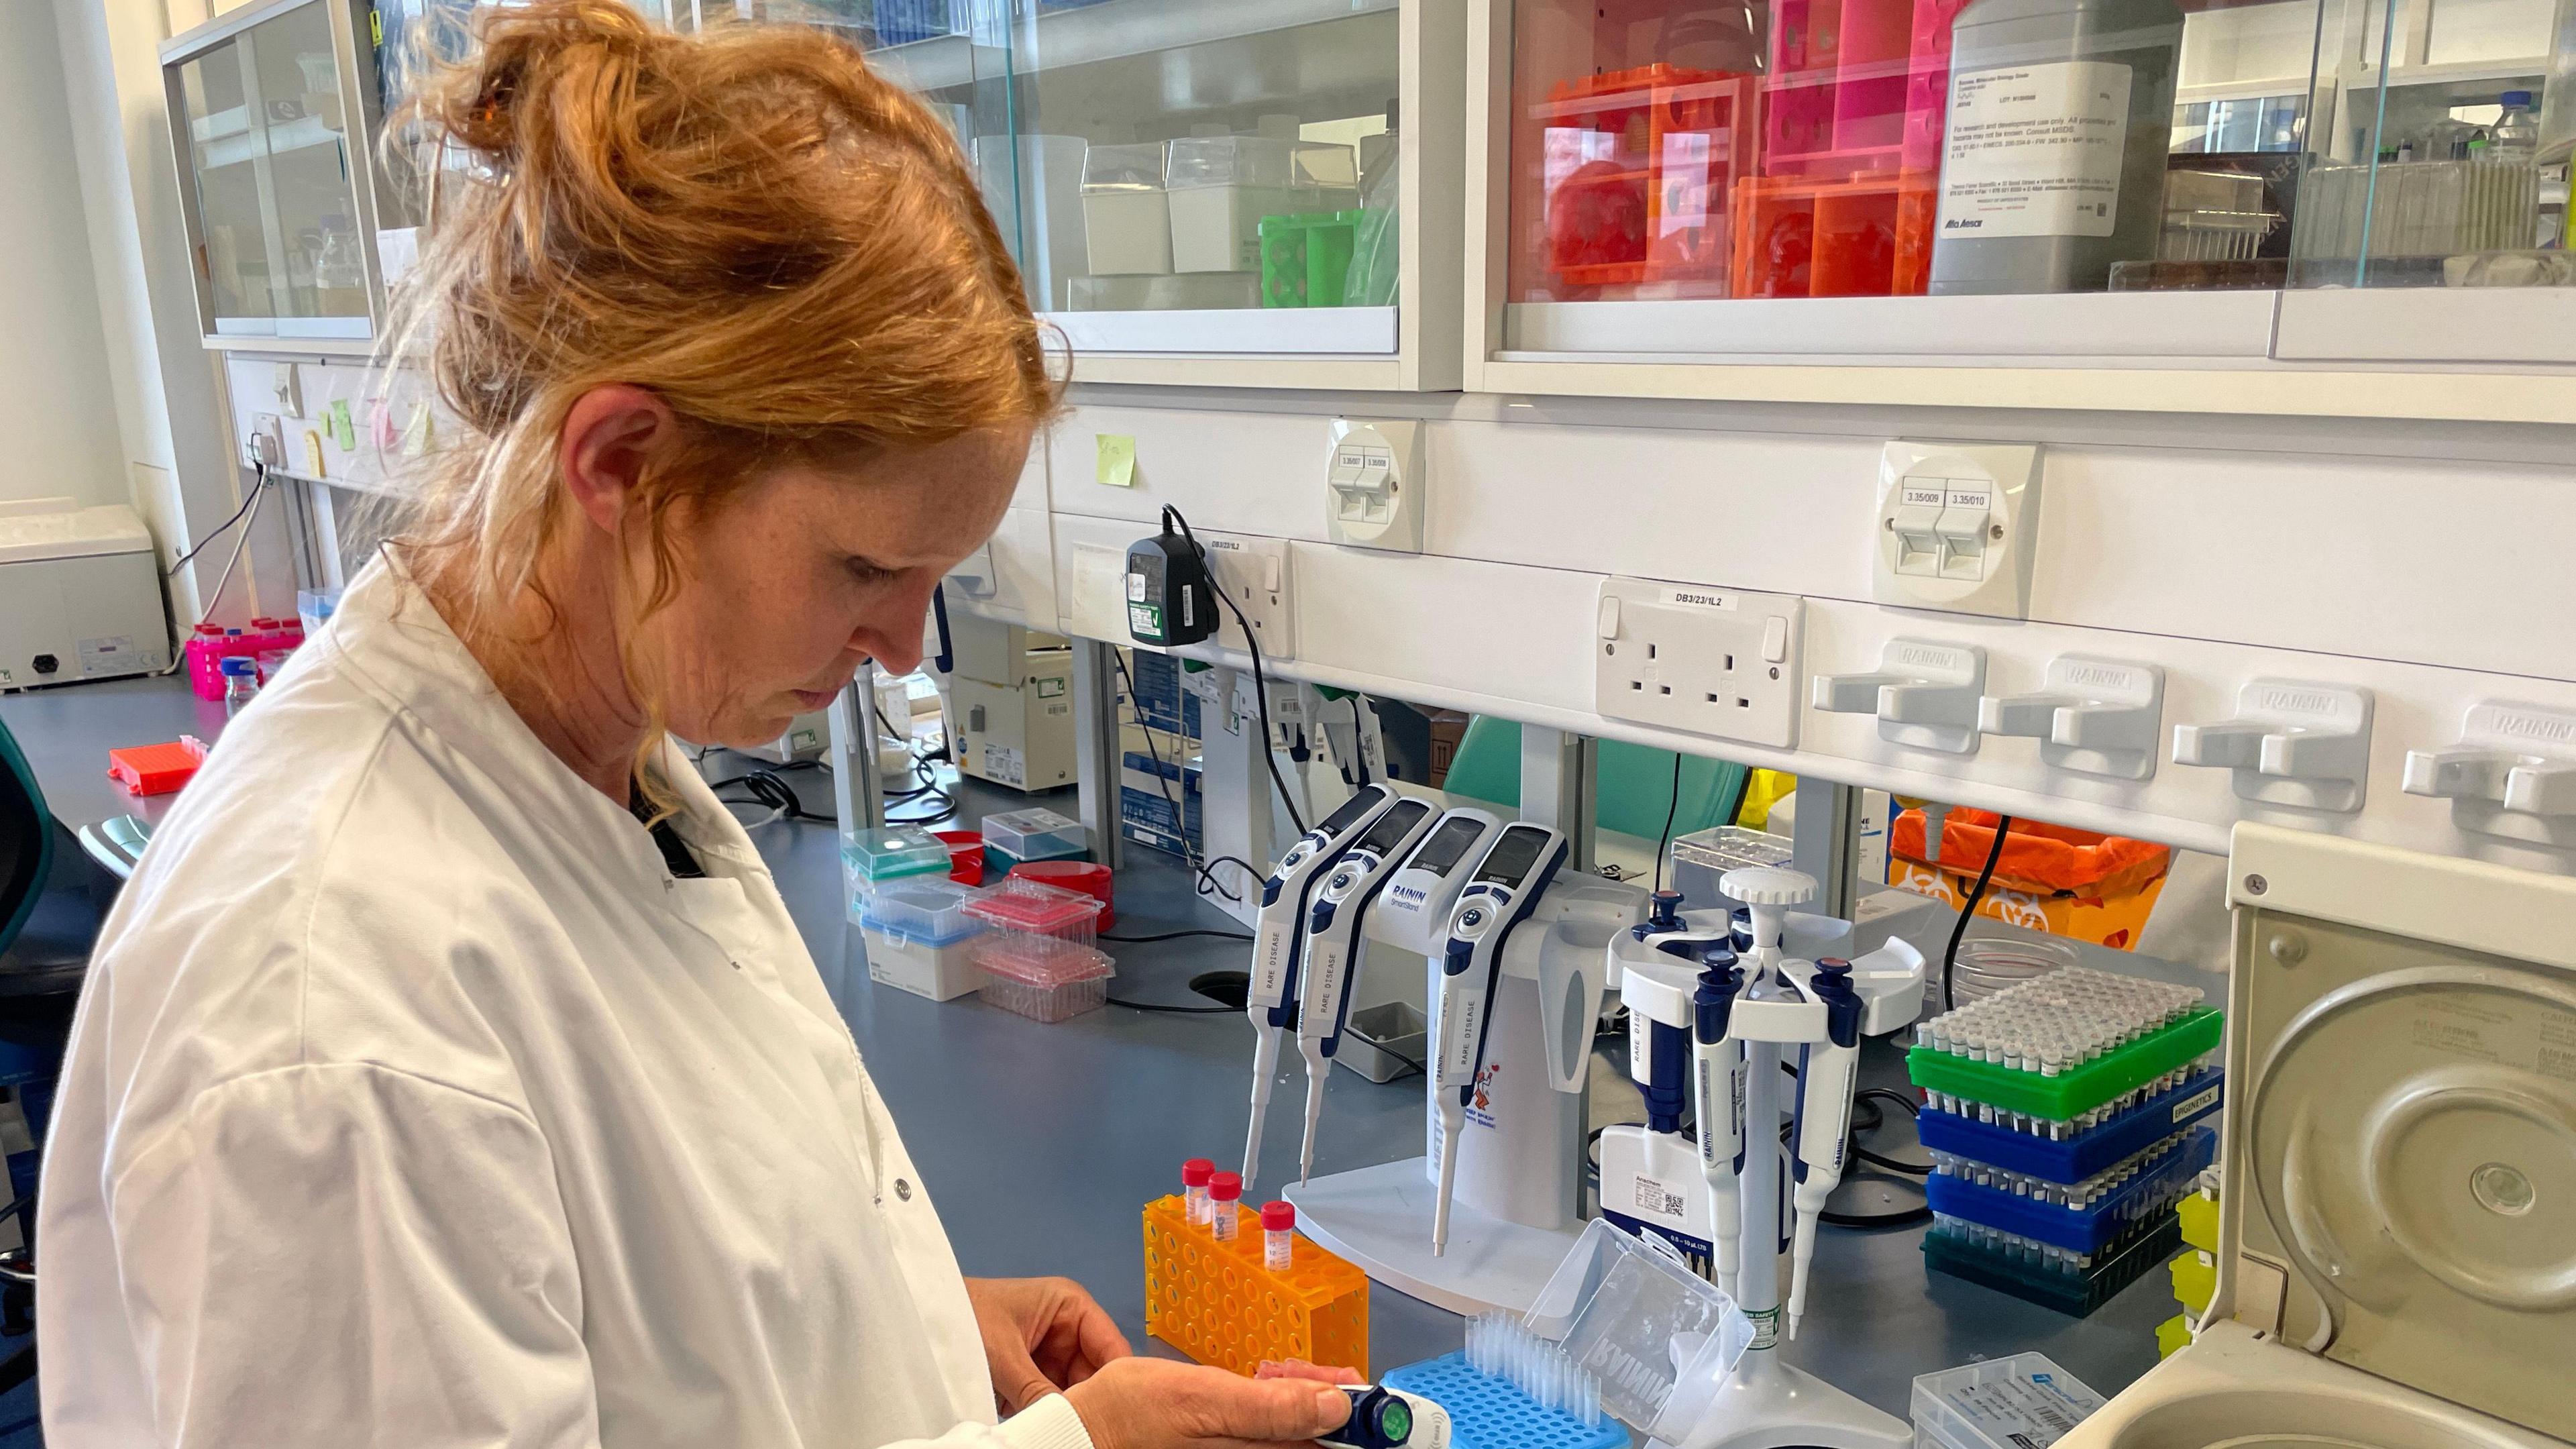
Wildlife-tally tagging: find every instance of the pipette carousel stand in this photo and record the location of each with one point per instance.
(1767, 1403)
(1514, 1214)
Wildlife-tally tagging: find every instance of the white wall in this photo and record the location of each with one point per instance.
(57, 401)
(175, 445)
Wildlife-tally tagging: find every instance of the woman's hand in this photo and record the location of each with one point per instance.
(1152, 1403)
(1041, 1335)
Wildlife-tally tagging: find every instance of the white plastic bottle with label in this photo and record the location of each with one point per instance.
(2053, 158)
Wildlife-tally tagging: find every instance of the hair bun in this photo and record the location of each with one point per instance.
(518, 55)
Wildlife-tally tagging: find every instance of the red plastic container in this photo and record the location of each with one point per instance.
(156, 769)
(965, 855)
(1091, 879)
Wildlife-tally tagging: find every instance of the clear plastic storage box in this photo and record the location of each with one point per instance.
(1220, 187)
(1025, 835)
(1037, 953)
(1661, 1339)
(2022, 1402)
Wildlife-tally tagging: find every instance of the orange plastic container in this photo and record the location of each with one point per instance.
(1796, 237)
(157, 769)
(1651, 157)
(2054, 878)
(1217, 1303)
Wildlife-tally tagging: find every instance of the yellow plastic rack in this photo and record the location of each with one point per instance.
(1217, 1303)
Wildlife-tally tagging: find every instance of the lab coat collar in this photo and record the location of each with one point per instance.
(393, 641)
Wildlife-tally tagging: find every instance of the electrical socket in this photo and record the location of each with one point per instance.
(1722, 662)
(1253, 572)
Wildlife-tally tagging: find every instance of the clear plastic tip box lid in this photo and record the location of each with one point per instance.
(2022, 1402)
(886, 854)
(1660, 1338)
(1035, 835)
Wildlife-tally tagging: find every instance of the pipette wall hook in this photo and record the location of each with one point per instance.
(2292, 742)
(2093, 716)
(1925, 694)
(2512, 774)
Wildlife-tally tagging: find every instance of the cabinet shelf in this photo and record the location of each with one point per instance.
(280, 138)
(1111, 30)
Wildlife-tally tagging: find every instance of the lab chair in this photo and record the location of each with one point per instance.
(53, 897)
(1632, 784)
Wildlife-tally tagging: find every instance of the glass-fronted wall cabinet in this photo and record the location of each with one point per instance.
(1698, 176)
(1209, 190)
(272, 109)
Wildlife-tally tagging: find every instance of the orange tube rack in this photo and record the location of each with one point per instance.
(1217, 1303)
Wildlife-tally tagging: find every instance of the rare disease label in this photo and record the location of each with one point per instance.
(2034, 150)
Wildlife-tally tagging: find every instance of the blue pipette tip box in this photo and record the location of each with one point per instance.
(1486, 1412)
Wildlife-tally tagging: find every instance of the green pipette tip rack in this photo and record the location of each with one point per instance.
(2069, 1094)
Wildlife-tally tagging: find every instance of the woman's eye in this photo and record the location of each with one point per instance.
(870, 573)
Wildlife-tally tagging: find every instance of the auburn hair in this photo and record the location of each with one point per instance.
(783, 246)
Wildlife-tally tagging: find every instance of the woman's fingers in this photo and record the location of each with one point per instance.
(1298, 1368)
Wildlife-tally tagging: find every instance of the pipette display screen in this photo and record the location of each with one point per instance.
(1350, 813)
(1393, 826)
(1447, 846)
(1513, 855)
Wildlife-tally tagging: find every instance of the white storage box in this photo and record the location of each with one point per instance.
(80, 594)
(1126, 223)
(1220, 187)
(920, 938)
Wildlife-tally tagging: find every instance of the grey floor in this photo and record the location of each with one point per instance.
(1041, 1142)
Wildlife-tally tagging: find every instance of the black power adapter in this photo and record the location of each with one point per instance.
(1171, 600)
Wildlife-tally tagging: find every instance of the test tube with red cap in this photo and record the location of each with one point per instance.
(1278, 1235)
(1195, 1176)
(1225, 1196)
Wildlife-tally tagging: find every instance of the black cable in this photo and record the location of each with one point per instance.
(1968, 909)
(1260, 676)
(1175, 936)
(1671, 810)
(1172, 1010)
(769, 789)
(258, 484)
(1210, 885)
(1889, 1164)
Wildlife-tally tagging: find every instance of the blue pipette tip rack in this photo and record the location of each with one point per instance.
(1487, 1412)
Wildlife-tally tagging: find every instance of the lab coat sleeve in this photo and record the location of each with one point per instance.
(335, 1254)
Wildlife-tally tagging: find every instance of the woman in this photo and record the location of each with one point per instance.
(450, 1072)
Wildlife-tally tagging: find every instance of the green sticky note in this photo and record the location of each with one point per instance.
(1116, 466)
(344, 429)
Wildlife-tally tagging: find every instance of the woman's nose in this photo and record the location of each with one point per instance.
(892, 633)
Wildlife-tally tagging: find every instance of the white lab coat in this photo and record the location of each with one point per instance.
(412, 1102)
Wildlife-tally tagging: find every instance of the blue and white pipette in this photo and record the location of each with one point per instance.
(1270, 998)
(1503, 891)
(1822, 1125)
(1334, 944)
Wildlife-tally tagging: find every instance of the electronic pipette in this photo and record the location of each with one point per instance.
(1822, 1125)
(1503, 891)
(1413, 911)
(1270, 998)
(1333, 946)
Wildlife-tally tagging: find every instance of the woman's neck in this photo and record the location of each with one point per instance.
(558, 668)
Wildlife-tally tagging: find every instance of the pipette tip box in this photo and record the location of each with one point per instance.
(1216, 1302)
(1488, 1412)
(2039, 1273)
(2022, 1402)
(2069, 1094)
(2114, 1201)
(2076, 1158)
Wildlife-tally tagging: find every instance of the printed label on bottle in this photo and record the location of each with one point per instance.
(2034, 150)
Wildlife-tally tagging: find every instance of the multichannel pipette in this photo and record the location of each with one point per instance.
(1822, 1125)
(1384, 1418)
(1270, 998)
(1503, 891)
(1333, 946)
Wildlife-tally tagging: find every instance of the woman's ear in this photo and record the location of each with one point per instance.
(610, 435)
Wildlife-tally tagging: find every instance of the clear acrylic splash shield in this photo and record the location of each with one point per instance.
(1658, 1337)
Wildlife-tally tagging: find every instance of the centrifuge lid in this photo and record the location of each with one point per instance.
(2403, 1114)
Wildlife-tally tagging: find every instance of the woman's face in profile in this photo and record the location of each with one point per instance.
(808, 571)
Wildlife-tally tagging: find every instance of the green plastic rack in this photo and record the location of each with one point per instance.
(2068, 1095)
